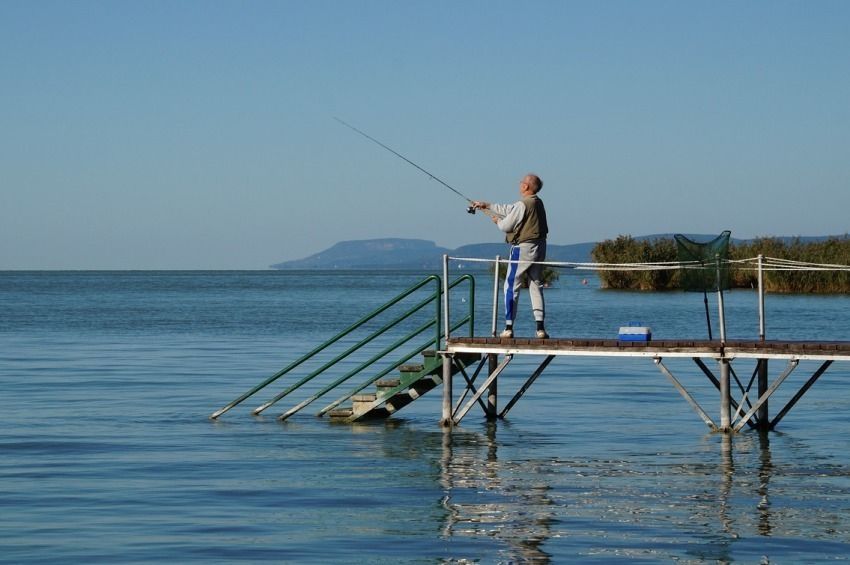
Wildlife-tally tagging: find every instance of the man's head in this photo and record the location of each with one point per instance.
(530, 184)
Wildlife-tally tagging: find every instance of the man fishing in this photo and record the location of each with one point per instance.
(524, 223)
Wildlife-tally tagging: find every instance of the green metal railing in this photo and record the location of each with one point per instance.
(435, 342)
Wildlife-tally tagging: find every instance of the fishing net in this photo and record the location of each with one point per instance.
(705, 266)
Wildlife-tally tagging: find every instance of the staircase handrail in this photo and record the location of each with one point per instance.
(435, 296)
(346, 353)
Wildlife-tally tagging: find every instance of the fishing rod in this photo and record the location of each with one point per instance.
(471, 208)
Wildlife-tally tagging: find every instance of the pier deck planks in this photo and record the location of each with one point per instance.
(752, 349)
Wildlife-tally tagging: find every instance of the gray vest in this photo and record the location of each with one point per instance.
(533, 225)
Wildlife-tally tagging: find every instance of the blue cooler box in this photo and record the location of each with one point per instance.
(635, 332)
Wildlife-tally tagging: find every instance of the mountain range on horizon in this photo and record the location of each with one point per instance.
(401, 253)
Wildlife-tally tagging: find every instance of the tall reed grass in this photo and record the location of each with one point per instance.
(833, 250)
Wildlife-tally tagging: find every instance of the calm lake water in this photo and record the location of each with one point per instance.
(107, 454)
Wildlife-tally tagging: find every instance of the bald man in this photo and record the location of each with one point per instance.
(525, 227)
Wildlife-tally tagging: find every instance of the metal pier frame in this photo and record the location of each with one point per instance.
(733, 415)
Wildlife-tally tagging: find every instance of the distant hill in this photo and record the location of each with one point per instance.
(396, 253)
(399, 253)
(389, 253)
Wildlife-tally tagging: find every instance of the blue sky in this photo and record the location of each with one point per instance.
(183, 135)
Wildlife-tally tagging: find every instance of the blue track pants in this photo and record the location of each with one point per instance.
(521, 269)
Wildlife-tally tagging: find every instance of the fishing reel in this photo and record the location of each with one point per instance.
(470, 209)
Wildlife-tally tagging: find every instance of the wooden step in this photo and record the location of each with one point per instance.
(411, 368)
(340, 413)
(388, 383)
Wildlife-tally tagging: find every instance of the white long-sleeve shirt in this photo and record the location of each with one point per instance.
(513, 215)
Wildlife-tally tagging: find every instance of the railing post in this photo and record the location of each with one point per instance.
(438, 305)
(720, 306)
(446, 320)
(495, 296)
(761, 297)
(471, 309)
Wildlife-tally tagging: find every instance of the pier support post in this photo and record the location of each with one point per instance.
(763, 413)
(725, 393)
(493, 389)
(446, 420)
(725, 404)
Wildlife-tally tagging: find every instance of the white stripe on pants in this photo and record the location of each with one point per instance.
(533, 272)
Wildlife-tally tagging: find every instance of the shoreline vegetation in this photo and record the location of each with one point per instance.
(550, 276)
(831, 251)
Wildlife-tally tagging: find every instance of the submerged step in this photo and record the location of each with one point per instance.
(361, 402)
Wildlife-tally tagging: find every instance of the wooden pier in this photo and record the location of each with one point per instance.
(448, 356)
(733, 415)
(499, 352)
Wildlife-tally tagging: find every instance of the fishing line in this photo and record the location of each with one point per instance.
(470, 209)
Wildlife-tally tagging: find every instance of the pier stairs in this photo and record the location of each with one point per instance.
(385, 345)
(393, 394)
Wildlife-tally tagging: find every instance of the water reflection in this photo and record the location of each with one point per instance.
(535, 506)
(764, 474)
(727, 470)
(506, 494)
(728, 507)
(484, 497)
